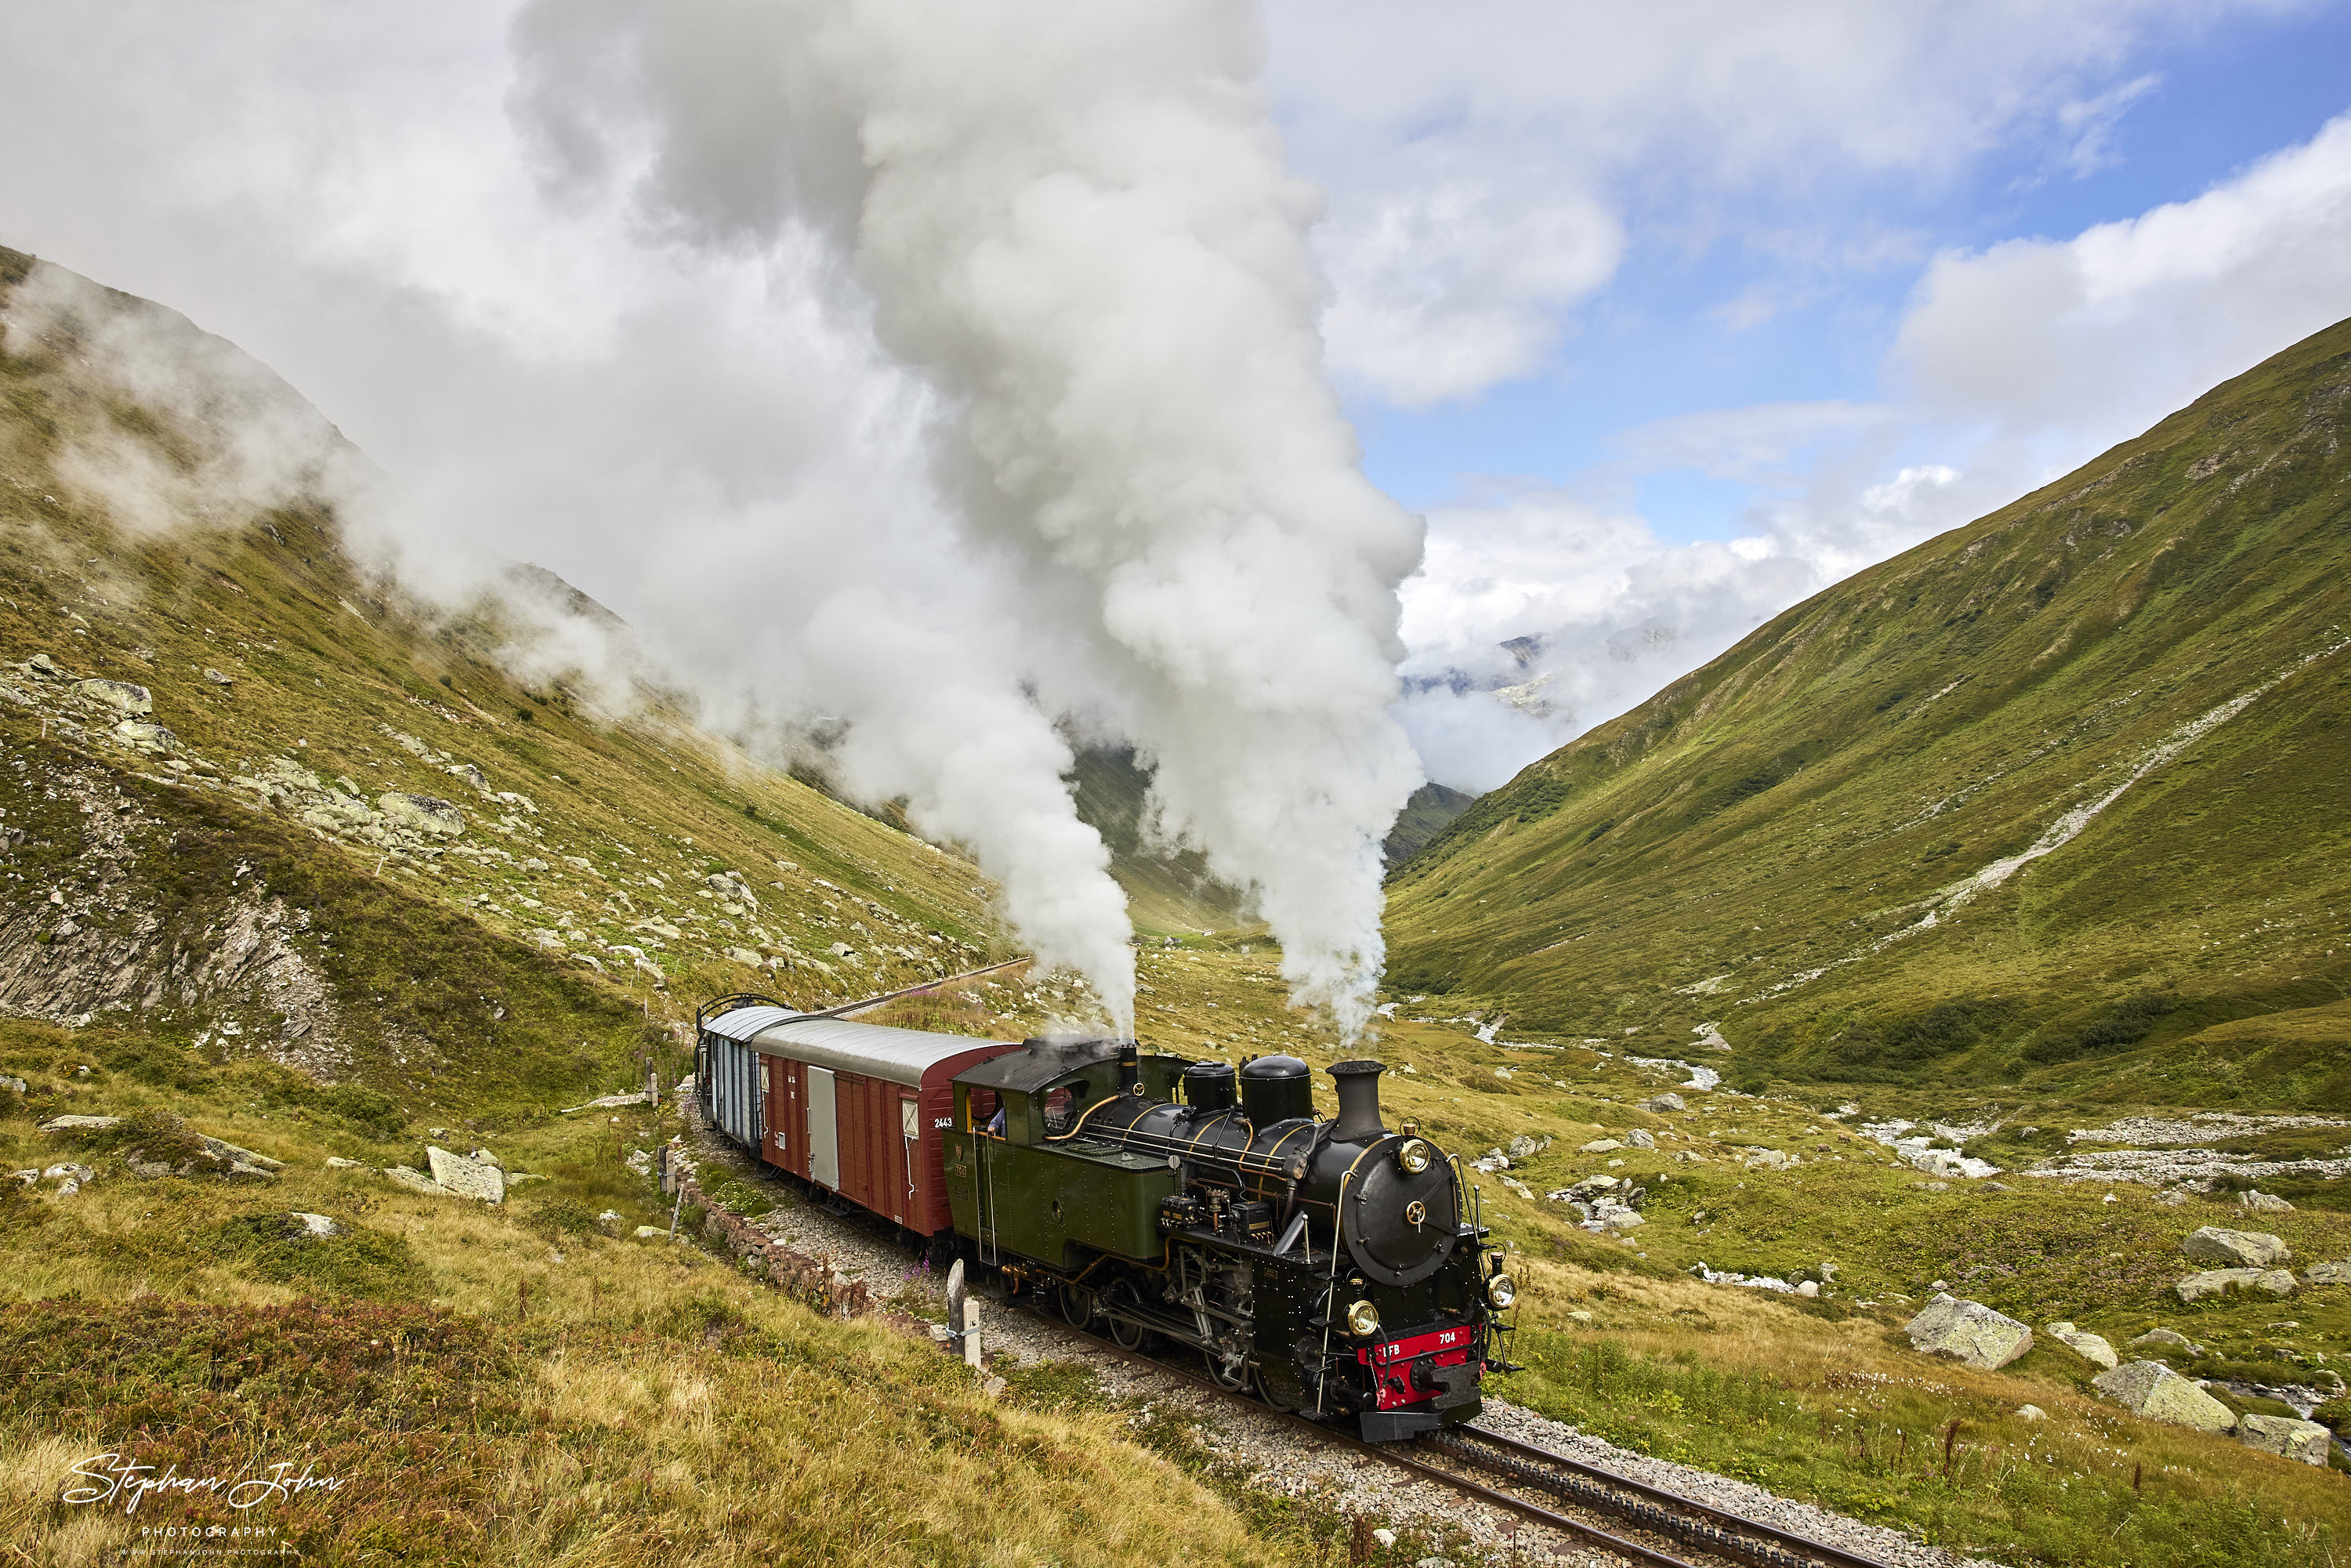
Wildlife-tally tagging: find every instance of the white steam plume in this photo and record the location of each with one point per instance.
(1074, 222)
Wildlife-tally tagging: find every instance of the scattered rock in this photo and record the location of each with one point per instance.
(317, 1225)
(80, 1123)
(338, 1163)
(2151, 1389)
(1490, 1162)
(2220, 1281)
(2032, 1413)
(1387, 1538)
(994, 1387)
(1662, 1104)
(2235, 1249)
(2166, 1339)
(1601, 1146)
(145, 735)
(2305, 1441)
(44, 665)
(467, 1178)
(120, 695)
(417, 1181)
(743, 955)
(1641, 1138)
(610, 1222)
(1526, 1146)
(652, 1233)
(1808, 1288)
(2262, 1201)
(1515, 1185)
(2088, 1347)
(1767, 1159)
(70, 1179)
(1969, 1333)
(17, 1084)
(424, 813)
(216, 678)
(2328, 1274)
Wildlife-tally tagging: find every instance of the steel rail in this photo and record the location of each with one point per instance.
(1532, 1511)
(1522, 1458)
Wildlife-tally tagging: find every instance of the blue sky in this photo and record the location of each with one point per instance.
(1649, 344)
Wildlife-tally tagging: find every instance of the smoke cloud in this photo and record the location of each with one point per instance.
(1076, 228)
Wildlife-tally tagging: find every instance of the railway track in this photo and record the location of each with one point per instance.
(1535, 1483)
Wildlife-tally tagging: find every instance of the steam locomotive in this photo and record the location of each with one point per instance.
(1334, 1268)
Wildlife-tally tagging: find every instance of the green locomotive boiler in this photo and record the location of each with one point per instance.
(1332, 1267)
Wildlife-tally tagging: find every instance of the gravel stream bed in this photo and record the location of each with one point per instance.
(1270, 1447)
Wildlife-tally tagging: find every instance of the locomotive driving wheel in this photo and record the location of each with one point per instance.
(1233, 1377)
(1264, 1392)
(1077, 1305)
(1126, 1334)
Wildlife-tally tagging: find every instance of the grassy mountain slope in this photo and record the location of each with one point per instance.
(238, 877)
(2054, 799)
(1431, 809)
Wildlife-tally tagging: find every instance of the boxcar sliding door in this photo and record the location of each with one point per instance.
(823, 1130)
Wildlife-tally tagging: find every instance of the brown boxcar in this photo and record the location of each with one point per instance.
(857, 1109)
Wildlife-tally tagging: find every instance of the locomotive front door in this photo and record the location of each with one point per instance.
(823, 1130)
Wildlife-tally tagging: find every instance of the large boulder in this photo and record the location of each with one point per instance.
(80, 1123)
(1968, 1331)
(421, 813)
(2281, 1435)
(2162, 1339)
(2327, 1274)
(1664, 1103)
(2088, 1347)
(467, 1178)
(2235, 1249)
(2151, 1389)
(2212, 1282)
(120, 695)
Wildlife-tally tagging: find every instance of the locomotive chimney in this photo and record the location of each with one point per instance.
(1359, 1102)
(1130, 1067)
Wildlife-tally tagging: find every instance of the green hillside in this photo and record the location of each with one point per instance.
(2056, 799)
(1431, 809)
(220, 868)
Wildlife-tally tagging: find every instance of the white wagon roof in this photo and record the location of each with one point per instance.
(874, 1051)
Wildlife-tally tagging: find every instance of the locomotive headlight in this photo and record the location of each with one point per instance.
(1501, 1291)
(1363, 1320)
(1413, 1157)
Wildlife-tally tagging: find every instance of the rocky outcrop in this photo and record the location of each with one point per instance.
(2213, 1282)
(2235, 1249)
(120, 695)
(2090, 1347)
(1969, 1332)
(2151, 1389)
(478, 1177)
(2306, 1442)
(420, 813)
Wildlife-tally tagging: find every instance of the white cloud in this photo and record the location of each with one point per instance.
(1486, 159)
(2068, 345)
